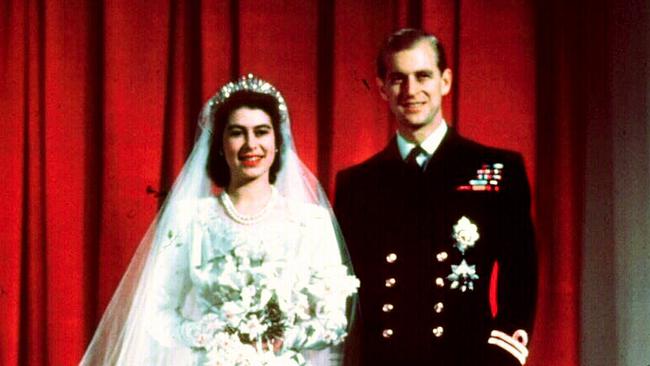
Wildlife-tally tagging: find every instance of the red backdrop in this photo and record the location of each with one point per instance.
(99, 102)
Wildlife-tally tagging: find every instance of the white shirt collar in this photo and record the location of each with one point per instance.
(430, 144)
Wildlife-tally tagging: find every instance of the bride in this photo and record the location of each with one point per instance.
(253, 272)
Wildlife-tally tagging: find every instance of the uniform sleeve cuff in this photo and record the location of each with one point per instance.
(515, 344)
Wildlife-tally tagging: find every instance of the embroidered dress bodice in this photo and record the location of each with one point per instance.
(290, 233)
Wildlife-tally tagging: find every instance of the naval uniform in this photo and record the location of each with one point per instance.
(429, 243)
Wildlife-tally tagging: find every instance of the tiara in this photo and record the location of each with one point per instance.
(251, 83)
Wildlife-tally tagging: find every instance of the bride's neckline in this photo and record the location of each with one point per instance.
(240, 218)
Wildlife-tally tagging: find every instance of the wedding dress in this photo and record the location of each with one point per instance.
(158, 313)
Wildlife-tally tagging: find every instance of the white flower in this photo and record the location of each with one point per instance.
(465, 234)
(225, 341)
(211, 323)
(336, 320)
(227, 350)
(233, 312)
(253, 327)
(230, 276)
(242, 251)
(301, 307)
(348, 285)
(247, 295)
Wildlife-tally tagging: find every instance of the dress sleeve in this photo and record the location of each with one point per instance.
(320, 232)
(517, 273)
(324, 254)
(171, 284)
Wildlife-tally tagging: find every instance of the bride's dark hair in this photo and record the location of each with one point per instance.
(217, 168)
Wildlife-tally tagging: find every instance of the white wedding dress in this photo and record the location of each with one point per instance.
(293, 232)
(160, 294)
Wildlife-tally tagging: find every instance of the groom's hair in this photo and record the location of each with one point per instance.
(407, 38)
(217, 166)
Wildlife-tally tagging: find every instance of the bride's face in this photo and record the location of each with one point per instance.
(249, 144)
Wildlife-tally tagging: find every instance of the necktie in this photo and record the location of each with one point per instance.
(411, 157)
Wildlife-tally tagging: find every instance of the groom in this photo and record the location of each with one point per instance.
(435, 224)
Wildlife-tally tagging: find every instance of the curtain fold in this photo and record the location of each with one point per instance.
(99, 102)
(559, 196)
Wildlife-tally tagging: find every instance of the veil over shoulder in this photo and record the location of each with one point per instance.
(166, 264)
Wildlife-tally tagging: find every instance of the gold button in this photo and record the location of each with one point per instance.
(387, 308)
(440, 282)
(442, 256)
(391, 258)
(387, 333)
(437, 331)
(438, 307)
(390, 282)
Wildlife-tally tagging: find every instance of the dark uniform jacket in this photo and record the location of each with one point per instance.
(425, 293)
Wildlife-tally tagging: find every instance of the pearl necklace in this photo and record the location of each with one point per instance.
(231, 210)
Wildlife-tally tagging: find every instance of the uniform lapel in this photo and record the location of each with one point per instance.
(439, 162)
(391, 152)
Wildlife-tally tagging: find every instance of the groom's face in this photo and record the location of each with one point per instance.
(413, 86)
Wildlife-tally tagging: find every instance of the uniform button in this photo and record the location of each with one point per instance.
(442, 256)
(440, 282)
(391, 258)
(387, 333)
(387, 308)
(437, 331)
(390, 282)
(438, 307)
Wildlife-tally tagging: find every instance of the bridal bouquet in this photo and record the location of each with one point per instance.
(265, 310)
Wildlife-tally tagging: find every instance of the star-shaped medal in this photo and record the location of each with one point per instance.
(462, 276)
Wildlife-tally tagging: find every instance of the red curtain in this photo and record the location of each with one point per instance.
(99, 102)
